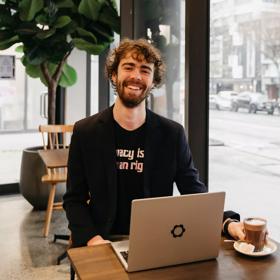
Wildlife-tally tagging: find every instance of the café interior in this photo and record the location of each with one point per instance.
(33, 235)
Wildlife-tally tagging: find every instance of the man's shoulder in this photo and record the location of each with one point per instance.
(91, 122)
(163, 121)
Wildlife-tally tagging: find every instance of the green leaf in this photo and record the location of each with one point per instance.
(45, 34)
(34, 71)
(68, 76)
(62, 21)
(95, 49)
(113, 4)
(36, 55)
(5, 35)
(5, 18)
(29, 8)
(8, 42)
(70, 27)
(91, 8)
(88, 35)
(19, 49)
(102, 32)
(109, 16)
(64, 3)
(42, 19)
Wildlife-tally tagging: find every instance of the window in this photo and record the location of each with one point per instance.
(20, 99)
(19, 115)
(244, 146)
(162, 22)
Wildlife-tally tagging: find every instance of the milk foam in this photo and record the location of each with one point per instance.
(255, 222)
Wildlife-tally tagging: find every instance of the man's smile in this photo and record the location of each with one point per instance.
(133, 87)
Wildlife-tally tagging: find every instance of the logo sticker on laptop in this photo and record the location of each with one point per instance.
(178, 231)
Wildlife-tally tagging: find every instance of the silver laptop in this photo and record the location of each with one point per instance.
(172, 230)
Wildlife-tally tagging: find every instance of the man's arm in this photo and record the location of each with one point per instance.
(232, 227)
(77, 195)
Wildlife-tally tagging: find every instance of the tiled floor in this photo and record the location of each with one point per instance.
(25, 253)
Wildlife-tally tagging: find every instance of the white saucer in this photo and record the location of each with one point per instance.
(269, 248)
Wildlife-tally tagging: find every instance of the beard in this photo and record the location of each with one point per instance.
(130, 99)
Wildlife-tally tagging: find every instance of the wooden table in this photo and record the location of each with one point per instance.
(100, 263)
(54, 158)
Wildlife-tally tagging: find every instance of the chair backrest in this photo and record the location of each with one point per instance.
(56, 136)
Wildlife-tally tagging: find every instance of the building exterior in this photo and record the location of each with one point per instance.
(245, 46)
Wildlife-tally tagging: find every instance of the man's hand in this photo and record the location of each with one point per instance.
(236, 230)
(97, 240)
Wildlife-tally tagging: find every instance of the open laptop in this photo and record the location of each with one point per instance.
(172, 230)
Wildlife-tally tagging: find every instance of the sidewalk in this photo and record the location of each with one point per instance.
(11, 146)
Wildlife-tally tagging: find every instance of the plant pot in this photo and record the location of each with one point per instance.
(30, 185)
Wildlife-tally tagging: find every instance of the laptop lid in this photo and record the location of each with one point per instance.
(173, 230)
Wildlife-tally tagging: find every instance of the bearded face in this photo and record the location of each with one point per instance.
(133, 81)
(132, 92)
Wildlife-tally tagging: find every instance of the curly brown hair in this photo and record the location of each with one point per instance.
(141, 50)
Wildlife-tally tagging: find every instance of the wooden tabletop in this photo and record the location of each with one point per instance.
(54, 158)
(100, 263)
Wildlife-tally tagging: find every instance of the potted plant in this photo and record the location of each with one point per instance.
(48, 31)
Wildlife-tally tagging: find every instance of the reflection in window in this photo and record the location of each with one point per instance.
(162, 22)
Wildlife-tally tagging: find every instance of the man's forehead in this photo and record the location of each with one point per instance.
(135, 56)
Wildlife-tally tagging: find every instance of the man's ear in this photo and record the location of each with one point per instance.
(114, 78)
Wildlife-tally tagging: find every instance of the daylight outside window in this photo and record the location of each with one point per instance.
(244, 107)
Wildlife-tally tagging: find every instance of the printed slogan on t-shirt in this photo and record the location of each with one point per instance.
(130, 159)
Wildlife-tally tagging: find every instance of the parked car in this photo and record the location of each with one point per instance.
(222, 100)
(253, 101)
(213, 101)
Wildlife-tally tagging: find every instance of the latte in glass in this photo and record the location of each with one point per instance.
(255, 232)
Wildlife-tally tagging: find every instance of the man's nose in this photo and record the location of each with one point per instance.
(136, 74)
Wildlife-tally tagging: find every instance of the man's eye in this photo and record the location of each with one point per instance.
(128, 68)
(146, 71)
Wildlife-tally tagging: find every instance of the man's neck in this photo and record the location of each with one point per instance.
(129, 118)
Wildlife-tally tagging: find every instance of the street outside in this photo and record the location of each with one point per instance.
(244, 161)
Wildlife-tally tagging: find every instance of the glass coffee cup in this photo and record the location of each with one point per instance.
(255, 232)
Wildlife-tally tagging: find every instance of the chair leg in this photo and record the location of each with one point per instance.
(72, 273)
(61, 257)
(49, 210)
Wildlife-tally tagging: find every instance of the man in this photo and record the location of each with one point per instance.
(127, 152)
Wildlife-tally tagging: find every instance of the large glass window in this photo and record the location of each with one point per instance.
(19, 98)
(97, 68)
(20, 116)
(244, 145)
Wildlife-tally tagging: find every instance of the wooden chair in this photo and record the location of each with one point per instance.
(54, 137)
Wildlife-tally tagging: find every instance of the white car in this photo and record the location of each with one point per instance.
(253, 102)
(222, 100)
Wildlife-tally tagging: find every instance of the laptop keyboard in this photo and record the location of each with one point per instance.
(124, 255)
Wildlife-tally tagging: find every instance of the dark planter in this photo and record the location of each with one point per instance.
(30, 185)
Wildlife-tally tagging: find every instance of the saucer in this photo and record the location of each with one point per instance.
(269, 248)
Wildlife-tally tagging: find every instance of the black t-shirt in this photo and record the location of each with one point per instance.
(130, 173)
